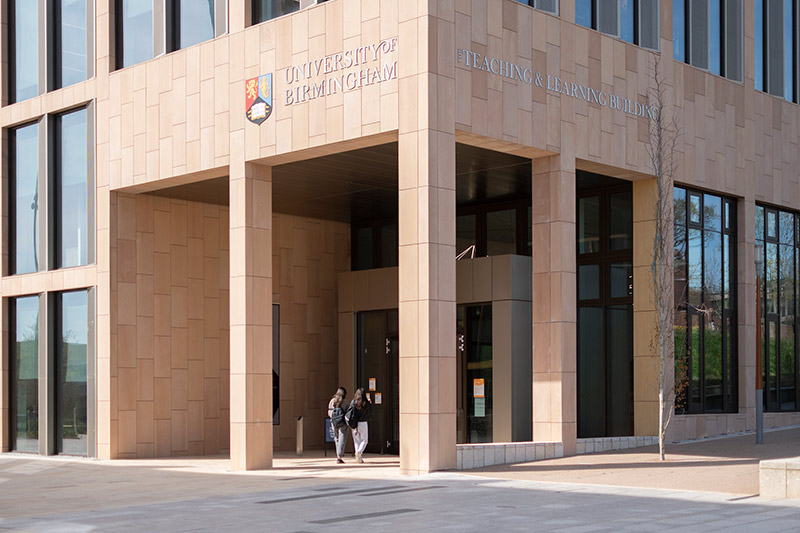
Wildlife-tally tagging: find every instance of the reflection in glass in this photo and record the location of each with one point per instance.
(758, 71)
(679, 30)
(197, 21)
(771, 278)
(466, 234)
(695, 266)
(786, 228)
(621, 280)
(620, 221)
(698, 20)
(25, 65)
(787, 330)
(626, 20)
(694, 208)
(607, 16)
(679, 199)
(681, 360)
(712, 356)
(588, 282)
(591, 373)
(712, 212)
(788, 50)
(712, 268)
(583, 12)
(136, 19)
(714, 37)
(680, 266)
(72, 46)
(73, 188)
(25, 374)
(71, 361)
(772, 364)
(270, 9)
(501, 232)
(694, 360)
(772, 220)
(589, 225)
(26, 199)
(727, 273)
(759, 223)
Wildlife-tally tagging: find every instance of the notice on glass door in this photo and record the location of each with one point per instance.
(480, 407)
(478, 388)
(378, 398)
(371, 384)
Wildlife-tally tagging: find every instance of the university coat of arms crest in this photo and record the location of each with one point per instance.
(258, 94)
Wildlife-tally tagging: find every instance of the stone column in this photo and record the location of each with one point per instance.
(554, 302)
(250, 315)
(646, 363)
(427, 268)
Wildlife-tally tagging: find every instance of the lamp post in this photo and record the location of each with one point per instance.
(759, 260)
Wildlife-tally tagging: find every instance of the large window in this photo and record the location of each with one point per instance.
(194, 22)
(24, 17)
(134, 32)
(545, 5)
(61, 40)
(634, 21)
(779, 234)
(24, 192)
(64, 205)
(71, 42)
(72, 189)
(708, 34)
(148, 28)
(374, 245)
(705, 302)
(776, 48)
(25, 374)
(494, 229)
(72, 349)
(264, 10)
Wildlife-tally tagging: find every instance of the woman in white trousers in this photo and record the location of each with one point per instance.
(359, 411)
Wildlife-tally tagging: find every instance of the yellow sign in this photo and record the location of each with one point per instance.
(372, 384)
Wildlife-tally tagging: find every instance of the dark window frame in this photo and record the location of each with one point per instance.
(767, 317)
(728, 317)
(637, 24)
(723, 33)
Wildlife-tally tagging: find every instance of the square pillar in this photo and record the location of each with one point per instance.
(555, 399)
(250, 316)
(646, 361)
(426, 220)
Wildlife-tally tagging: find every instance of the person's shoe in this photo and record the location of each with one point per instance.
(360, 458)
(339, 460)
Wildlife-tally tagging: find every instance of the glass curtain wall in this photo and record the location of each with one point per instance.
(25, 199)
(72, 189)
(779, 233)
(25, 374)
(70, 42)
(72, 332)
(24, 41)
(705, 301)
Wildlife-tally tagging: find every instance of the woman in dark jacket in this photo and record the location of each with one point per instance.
(357, 416)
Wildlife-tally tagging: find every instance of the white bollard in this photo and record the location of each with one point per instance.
(299, 436)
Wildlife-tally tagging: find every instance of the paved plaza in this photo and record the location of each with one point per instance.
(311, 493)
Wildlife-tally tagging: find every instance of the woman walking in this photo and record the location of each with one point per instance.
(357, 416)
(336, 410)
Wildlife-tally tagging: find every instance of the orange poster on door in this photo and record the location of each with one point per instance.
(478, 388)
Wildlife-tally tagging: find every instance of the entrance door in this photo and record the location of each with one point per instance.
(475, 384)
(377, 372)
(605, 312)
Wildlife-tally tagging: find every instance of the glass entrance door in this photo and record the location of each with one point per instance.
(475, 384)
(378, 373)
(605, 311)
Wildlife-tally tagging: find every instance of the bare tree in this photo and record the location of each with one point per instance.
(662, 139)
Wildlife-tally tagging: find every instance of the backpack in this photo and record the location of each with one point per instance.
(337, 417)
(352, 416)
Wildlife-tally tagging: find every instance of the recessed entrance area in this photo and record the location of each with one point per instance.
(605, 306)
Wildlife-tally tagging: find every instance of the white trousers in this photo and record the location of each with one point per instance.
(361, 437)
